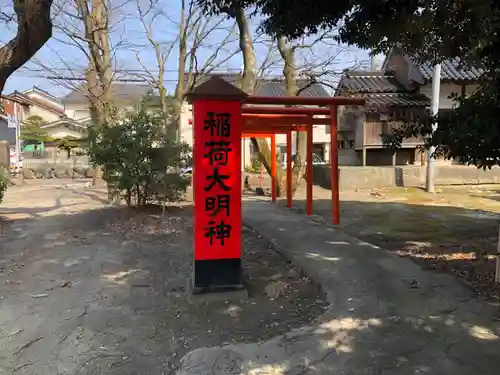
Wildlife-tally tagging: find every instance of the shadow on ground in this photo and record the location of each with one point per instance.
(380, 320)
(438, 237)
(105, 291)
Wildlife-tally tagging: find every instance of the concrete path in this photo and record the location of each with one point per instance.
(387, 316)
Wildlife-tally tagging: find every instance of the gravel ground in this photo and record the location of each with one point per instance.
(87, 289)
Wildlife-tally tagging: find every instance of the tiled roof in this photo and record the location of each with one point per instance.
(123, 93)
(64, 120)
(43, 92)
(272, 87)
(396, 100)
(379, 90)
(370, 82)
(278, 88)
(34, 101)
(16, 99)
(452, 70)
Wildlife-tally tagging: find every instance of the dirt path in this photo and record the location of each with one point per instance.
(86, 289)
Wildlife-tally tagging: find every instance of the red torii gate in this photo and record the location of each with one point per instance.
(222, 115)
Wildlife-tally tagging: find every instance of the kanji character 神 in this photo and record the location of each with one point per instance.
(220, 231)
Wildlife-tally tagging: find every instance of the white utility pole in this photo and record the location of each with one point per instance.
(18, 135)
(436, 84)
(373, 62)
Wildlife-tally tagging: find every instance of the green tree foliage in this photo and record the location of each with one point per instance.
(431, 29)
(31, 130)
(69, 143)
(152, 102)
(428, 30)
(4, 182)
(137, 160)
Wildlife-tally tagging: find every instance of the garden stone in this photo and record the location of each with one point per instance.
(29, 174)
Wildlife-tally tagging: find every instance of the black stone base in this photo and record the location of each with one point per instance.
(260, 191)
(218, 275)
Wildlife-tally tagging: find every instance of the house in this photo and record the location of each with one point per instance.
(399, 92)
(9, 107)
(36, 102)
(125, 96)
(455, 78)
(66, 127)
(6, 133)
(21, 104)
(41, 103)
(4, 143)
(265, 87)
(388, 105)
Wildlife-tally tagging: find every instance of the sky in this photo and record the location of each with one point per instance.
(134, 56)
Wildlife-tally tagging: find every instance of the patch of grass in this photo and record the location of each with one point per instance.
(418, 222)
(402, 224)
(454, 230)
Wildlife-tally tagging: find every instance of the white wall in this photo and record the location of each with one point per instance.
(62, 131)
(47, 115)
(77, 111)
(445, 91)
(186, 130)
(36, 96)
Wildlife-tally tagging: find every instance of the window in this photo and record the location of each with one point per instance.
(403, 114)
(281, 151)
(345, 144)
(345, 140)
(81, 113)
(319, 150)
(317, 159)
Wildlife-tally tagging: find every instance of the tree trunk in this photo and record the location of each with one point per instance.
(290, 74)
(248, 85)
(96, 25)
(96, 113)
(99, 73)
(34, 29)
(102, 60)
(181, 72)
(93, 95)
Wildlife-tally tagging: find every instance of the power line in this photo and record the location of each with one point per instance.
(61, 78)
(152, 70)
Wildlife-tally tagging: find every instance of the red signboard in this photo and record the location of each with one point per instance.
(217, 179)
(8, 107)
